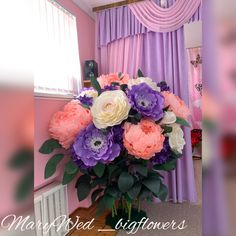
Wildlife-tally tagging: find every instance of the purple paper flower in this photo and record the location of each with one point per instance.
(86, 96)
(85, 100)
(93, 145)
(79, 162)
(110, 87)
(163, 86)
(146, 101)
(163, 156)
(118, 134)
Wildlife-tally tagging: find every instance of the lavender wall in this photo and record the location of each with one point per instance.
(44, 108)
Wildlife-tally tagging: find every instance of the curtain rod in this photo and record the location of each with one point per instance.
(59, 5)
(116, 4)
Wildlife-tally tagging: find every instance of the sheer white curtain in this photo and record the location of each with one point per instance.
(57, 68)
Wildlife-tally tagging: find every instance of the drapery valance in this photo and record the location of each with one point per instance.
(159, 19)
(117, 23)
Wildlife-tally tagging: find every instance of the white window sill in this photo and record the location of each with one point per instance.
(53, 96)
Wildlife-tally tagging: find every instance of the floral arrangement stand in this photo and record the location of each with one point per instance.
(117, 137)
(132, 215)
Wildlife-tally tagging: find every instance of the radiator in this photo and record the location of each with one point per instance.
(50, 203)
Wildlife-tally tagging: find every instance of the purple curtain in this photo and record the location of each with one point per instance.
(117, 23)
(164, 58)
(123, 55)
(120, 22)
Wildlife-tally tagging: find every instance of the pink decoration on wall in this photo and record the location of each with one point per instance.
(159, 19)
(195, 85)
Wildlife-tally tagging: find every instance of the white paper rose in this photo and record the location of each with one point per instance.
(176, 138)
(110, 108)
(91, 92)
(169, 118)
(146, 80)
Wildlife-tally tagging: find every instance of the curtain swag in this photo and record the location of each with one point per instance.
(158, 19)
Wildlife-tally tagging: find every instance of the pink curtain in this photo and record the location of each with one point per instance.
(158, 19)
(123, 55)
(195, 85)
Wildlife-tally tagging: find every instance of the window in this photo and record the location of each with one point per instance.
(57, 68)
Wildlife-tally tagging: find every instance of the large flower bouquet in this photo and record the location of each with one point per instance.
(116, 137)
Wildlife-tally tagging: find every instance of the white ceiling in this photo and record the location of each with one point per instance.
(88, 5)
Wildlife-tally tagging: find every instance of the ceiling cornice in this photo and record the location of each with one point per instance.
(82, 4)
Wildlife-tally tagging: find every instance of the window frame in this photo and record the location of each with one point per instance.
(76, 82)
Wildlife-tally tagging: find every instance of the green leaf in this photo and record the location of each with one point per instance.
(149, 198)
(166, 108)
(155, 174)
(106, 202)
(115, 84)
(99, 181)
(83, 187)
(125, 182)
(163, 192)
(99, 169)
(140, 73)
(71, 167)
(135, 118)
(83, 191)
(104, 131)
(113, 191)
(96, 85)
(83, 178)
(123, 87)
(128, 198)
(116, 173)
(25, 187)
(111, 169)
(167, 129)
(182, 122)
(153, 184)
(141, 169)
(175, 154)
(51, 165)
(95, 194)
(138, 117)
(85, 106)
(84, 171)
(67, 178)
(168, 166)
(135, 190)
(49, 146)
(144, 193)
(21, 159)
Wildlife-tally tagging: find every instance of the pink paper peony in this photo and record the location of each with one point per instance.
(144, 139)
(176, 105)
(66, 125)
(106, 80)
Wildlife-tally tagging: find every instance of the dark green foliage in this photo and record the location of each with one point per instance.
(49, 146)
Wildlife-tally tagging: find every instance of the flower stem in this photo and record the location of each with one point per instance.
(129, 210)
(139, 205)
(125, 206)
(112, 212)
(115, 211)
